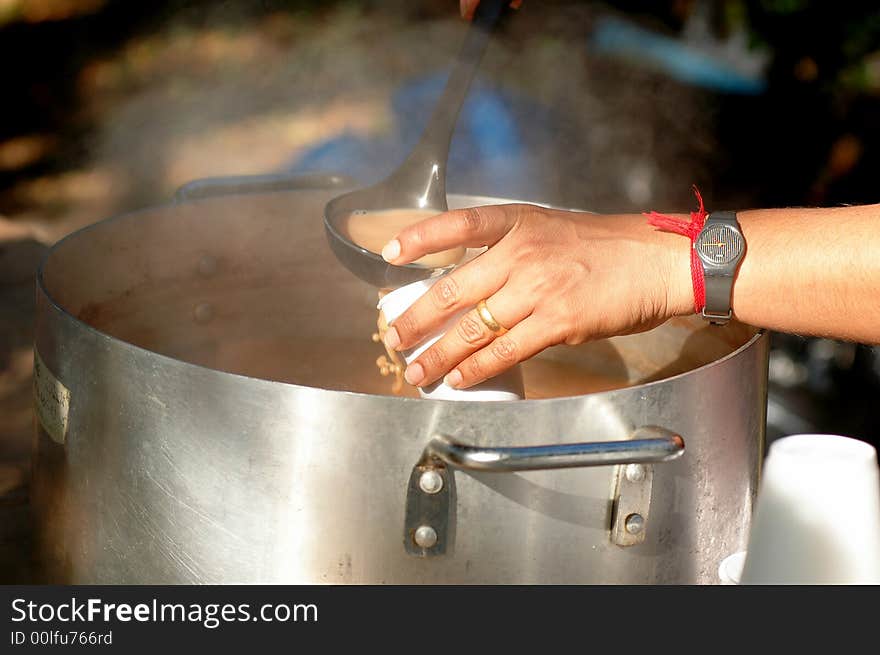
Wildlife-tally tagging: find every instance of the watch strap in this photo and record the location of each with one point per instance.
(728, 217)
(717, 308)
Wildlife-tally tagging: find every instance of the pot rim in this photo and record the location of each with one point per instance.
(116, 342)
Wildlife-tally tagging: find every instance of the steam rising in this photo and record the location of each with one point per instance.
(241, 97)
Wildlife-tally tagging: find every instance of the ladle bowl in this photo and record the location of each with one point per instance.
(366, 264)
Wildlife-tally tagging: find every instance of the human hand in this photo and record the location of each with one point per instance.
(549, 276)
(468, 7)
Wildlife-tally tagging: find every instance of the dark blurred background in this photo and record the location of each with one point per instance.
(108, 106)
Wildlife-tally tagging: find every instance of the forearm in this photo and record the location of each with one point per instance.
(551, 276)
(811, 272)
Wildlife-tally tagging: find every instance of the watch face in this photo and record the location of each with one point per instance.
(719, 245)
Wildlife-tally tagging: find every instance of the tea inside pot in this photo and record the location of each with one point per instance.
(247, 285)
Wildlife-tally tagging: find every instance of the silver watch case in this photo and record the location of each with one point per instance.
(720, 247)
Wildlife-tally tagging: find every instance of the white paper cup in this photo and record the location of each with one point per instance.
(507, 386)
(817, 518)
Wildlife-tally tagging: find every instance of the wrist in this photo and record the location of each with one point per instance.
(679, 279)
(692, 228)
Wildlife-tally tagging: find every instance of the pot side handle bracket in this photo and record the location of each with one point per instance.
(631, 504)
(430, 509)
(430, 503)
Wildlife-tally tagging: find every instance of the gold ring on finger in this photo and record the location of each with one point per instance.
(489, 320)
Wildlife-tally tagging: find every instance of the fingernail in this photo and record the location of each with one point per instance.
(391, 251)
(453, 378)
(414, 374)
(392, 339)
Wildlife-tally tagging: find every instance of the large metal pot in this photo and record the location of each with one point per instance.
(209, 410)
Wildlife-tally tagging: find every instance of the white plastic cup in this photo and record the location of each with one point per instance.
(507, 386)
(817, 517)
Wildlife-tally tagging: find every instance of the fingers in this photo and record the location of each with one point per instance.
(473, 227)
(461, 289)
(526, 339)
(468, 7)
(468, 335)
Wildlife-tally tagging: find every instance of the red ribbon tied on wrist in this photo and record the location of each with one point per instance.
(690, 230)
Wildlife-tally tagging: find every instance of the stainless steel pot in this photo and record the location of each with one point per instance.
(209, 411)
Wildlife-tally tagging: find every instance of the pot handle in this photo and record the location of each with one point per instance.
(211, 187)
(429, 527)
(647, 445)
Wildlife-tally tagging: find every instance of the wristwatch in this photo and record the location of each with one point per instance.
(720, 247)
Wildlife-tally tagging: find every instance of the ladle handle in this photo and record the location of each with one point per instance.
(433, 147)
(647, 445)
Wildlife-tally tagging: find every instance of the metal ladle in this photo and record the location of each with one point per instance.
(420, 182)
